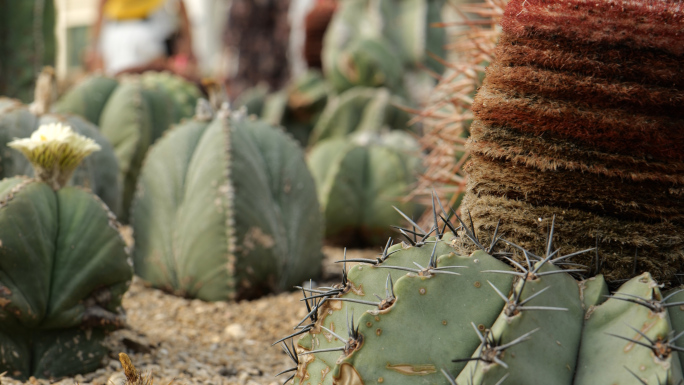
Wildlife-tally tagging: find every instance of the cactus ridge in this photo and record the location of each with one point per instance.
(531, 323)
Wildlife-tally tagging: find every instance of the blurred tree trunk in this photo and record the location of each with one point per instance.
(258, 33)
(27, 43)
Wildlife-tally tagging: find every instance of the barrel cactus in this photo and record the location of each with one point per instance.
(580, 116)
(63, 264)
(131, 112)
(360, 109)
(360, 179)
(226, 209)
(99, 172)
(296, 108)
(380, 43)
(424, 313)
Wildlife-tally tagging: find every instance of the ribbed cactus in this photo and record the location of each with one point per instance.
(98, 172)
(226, 209)
(27, 43)
(297, 107)
(422, 313)
(360, 178)
(376, 43)
(63, 264)
(580, 116)
(132, 113)
(360, 109)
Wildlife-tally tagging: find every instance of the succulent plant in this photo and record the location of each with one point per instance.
(297, 107)
(374, 43)
(226, 209)
(424, 313)
(63, 263)
(132, 113)
(98, 172)
(580, 116)
(360, 179)
(27, 43)
(360, 109)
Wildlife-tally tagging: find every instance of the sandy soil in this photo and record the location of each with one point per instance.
(195, 342)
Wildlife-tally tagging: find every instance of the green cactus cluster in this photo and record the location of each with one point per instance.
(360, 179)
(98, 172)
(132, 112)
(226, 209)
(424, 313)
(297, 107)
(64, 266)
(375, 43)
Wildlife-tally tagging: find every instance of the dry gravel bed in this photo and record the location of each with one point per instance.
(195, 342)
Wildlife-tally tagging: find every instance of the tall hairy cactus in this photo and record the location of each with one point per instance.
(580, 116)
(131, 112)
(63, 264)
(226, 209)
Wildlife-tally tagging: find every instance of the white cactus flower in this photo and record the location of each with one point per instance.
(55, 151)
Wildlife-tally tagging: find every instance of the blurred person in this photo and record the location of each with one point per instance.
(138, 35)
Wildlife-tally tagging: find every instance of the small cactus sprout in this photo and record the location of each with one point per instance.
(55, 151)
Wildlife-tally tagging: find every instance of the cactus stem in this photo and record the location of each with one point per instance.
(637, 377)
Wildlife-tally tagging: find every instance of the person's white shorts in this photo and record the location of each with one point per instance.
(132, 43)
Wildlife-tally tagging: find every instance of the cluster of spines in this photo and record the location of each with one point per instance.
(491, 348)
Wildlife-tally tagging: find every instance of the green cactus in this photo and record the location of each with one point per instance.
(446, 318)
(360, 178)
(226, 209)
(98, 172)
(378, 43)
(296, 108)
(132, 113)
(27, 43)
(360, 109)
(63, 263)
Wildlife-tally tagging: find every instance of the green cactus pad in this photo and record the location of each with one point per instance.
(224, 210)
(63, 270)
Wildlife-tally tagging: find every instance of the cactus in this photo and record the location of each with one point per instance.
(131, 113)
(360, 110)
(442, 317)
(580, 116)
(27, 43)
(375, 43)
(359, 180)
(297, 107)
(226, 209)
(63, 264)
(97, 172)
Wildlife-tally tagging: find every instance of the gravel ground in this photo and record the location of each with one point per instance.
(194, 342)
